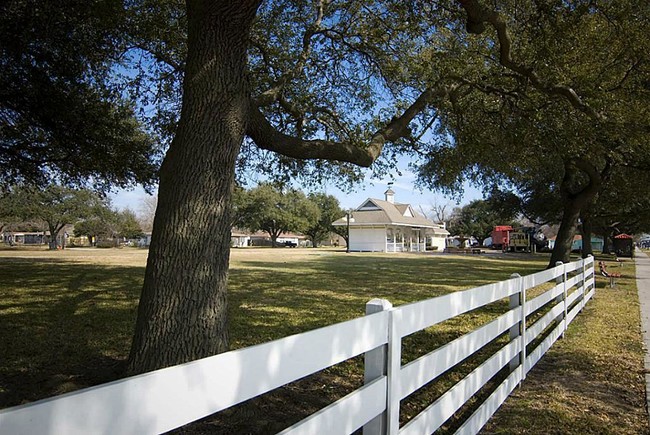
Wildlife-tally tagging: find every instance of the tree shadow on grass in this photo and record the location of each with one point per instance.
(63, 326)
(281, 298)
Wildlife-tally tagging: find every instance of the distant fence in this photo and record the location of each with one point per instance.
(165, 399)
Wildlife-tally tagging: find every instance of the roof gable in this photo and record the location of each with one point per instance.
(369, 205)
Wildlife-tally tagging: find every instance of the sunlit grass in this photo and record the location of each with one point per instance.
(592, 381)
(66, 318)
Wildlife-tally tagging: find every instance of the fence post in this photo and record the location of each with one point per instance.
(375, 365)
(516, 300)
(581, 284)
(592, 271)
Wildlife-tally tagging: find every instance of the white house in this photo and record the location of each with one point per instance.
(386, 226)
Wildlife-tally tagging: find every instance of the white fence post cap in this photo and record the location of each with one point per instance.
(380, 304)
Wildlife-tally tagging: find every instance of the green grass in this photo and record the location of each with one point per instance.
(592, 381)
(66, 320)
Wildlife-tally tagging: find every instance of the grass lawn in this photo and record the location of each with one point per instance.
(66, 320)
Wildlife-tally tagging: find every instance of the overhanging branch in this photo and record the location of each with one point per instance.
(478, 15)
(267, 137)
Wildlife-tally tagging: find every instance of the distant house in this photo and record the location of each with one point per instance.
(239, 238)
(387, 226)
(262, 238)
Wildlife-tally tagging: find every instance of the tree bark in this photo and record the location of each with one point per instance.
(587, 231)
(574, 203)
(183, 307)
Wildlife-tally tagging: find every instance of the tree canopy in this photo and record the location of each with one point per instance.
(57, 206)
(330, 210)
(524, 96)
(277, 211)
(61, 115)
(478, 219)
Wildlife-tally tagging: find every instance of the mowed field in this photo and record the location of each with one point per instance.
(66, 319)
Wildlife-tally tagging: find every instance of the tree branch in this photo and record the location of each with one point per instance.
(273, 93)
(478, 15)
(267, 137)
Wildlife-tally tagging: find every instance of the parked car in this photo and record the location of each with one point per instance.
(286, 244)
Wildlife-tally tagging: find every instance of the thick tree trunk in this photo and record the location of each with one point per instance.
(587, 231)
(54, 235)
(607, 241)
(568, 225)
(182, 311)
(574, 204)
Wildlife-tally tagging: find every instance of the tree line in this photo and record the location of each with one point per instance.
(276, 210)
(56, 207)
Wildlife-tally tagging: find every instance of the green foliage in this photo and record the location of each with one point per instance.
(276, 211)
(106, 223)
(330, 210)
(128, 225)
(60, 115)
(478, 219)
(57, 206)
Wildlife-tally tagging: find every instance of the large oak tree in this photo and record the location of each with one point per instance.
(309, 90)
(303, 81)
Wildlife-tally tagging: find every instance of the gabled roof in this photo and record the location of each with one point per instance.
(377, 212)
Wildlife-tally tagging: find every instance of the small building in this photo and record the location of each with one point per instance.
(239, 238)
(387, 226)
(624, 245)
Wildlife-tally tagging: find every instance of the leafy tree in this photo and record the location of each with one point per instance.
(60, 114)
(270, 209)
(96, 227)
(128, 225)
(478, 219)
(7, 211)
(622, 206)
(300, 80)
(57, 206)
(292, 89)
(563, 104)
(343, 231)
(330, 210)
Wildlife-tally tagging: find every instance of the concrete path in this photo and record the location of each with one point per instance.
(642, 262)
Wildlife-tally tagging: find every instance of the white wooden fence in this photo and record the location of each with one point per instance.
(165, 399)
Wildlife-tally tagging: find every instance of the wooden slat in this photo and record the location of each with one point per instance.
(544, 346)
(159, 401)
(423, 370)
(439, 411)
(573, 296)
(426, 313)
(590, 294)
(481, 416)
(536, 328)
(543, 276)
(573, 313)
(347, 414)
(574, 280)
(570, 267)
(543, 299)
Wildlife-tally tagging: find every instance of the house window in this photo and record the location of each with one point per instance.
(389, 235)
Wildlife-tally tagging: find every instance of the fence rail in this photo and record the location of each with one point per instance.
(165, 399)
